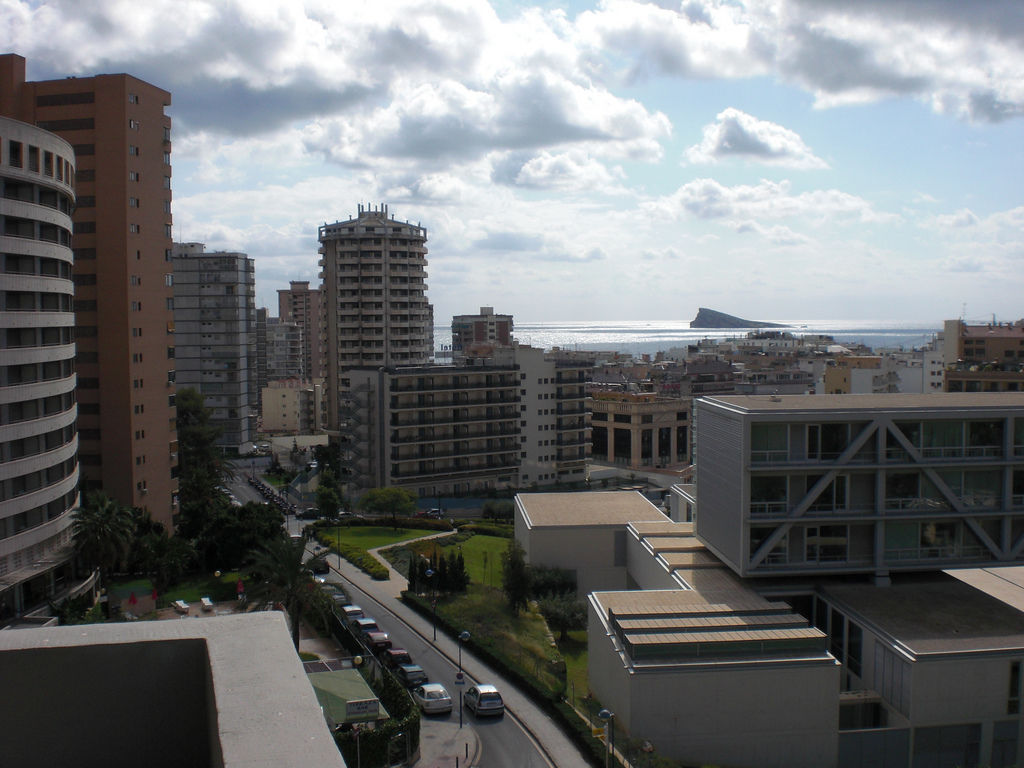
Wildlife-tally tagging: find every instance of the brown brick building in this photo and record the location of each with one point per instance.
(122, 274)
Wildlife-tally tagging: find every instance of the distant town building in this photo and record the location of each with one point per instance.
(122, 272)
(640, 431)
(215, 333)
(481, 333)
(292, 406)
(38, 438)
(261, 351)
(984, 358)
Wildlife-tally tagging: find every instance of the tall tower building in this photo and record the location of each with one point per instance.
(480, 333)
(300, 305)
(38, 442)
(215, 329)
(375, 310)
(122, 273)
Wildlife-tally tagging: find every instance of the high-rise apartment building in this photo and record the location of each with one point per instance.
(300, 305)
(38, 442)
(284, 350)
(215, 332)
(261, 353)
(987, 357)
(375, 310)
(122, 273)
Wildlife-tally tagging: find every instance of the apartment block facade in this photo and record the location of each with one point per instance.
(869, 484)
(215, 333)
(38, 438)
(121, 238)
(437, 430)
(284, 350)
(638, 430)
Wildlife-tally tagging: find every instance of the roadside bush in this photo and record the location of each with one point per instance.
(551, 581)
(360, 558)
(488, 529)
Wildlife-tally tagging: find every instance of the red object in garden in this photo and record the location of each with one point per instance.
(132, 600)
(155, 597)
(241, 587)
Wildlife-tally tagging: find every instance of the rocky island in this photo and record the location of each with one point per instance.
(709, 318)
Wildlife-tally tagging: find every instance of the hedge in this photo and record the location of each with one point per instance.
(360, 558)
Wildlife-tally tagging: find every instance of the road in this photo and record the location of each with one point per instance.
(504, 743)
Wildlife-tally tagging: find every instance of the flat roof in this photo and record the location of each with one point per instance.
(264, 711)
(602, 508)
(887, 402)
(934, 614)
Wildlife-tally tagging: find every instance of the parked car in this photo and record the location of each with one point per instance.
(318, 565)
(410, 675)
(392, 657)
(351, 612)
(432, 698)
(377, 640)
(364, 624)
(483, 700)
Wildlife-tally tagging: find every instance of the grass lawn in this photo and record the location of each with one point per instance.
(482, 555)
(369, 537)
(189, 590)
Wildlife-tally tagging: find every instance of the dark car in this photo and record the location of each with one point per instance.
(392, 658)
(411, 675)
(377, 640)
(318, 565)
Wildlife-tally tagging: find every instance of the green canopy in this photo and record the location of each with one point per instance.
(346, 697)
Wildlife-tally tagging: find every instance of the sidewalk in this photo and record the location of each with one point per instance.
(560, 751)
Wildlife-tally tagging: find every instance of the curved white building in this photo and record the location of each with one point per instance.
(38, 439)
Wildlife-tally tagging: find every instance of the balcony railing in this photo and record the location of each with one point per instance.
(769, 457)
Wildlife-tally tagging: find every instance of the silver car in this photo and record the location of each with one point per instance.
(484, 699)
(432, 698)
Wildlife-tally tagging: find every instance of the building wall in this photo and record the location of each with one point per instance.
(122, 244)
(640, 431)
(597, 554)
(942, 506)
(38, 436)
(721, 483)
(301, 305)
(215, 333)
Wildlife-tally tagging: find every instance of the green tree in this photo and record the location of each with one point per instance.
(328, 495)
(278, 574)
(103, 530)
(199, 461)
(564, 613)
(232, 533)
(515, 576)
(397, 502)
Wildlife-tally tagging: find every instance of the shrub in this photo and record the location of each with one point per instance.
(488, 529)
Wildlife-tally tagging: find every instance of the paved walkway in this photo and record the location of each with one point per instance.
(443, 750)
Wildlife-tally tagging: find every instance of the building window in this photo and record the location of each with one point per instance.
(133, 202)
(133, 124)
(167, 158)
(133, 98)
(133, 175)
(133, 150)
(133, 228)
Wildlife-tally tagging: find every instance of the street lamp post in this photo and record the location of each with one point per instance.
(463, 637)
(608, 717)
(433, 602)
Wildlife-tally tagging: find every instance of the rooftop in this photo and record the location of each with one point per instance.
(988, 401)
(589, 509)
(934, 614)
(223, 691)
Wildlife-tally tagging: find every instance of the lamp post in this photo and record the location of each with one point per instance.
(433, 602)
(463, 637)
(608, 717)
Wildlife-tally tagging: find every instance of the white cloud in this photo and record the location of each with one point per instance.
(737, 134)
(709, 199)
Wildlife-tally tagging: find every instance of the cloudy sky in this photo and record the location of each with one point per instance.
(609, 160)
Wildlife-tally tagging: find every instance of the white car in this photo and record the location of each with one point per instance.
(484, 700)
(432, 698)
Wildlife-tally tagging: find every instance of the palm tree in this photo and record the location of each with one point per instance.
(278, 574)
(103, 530)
